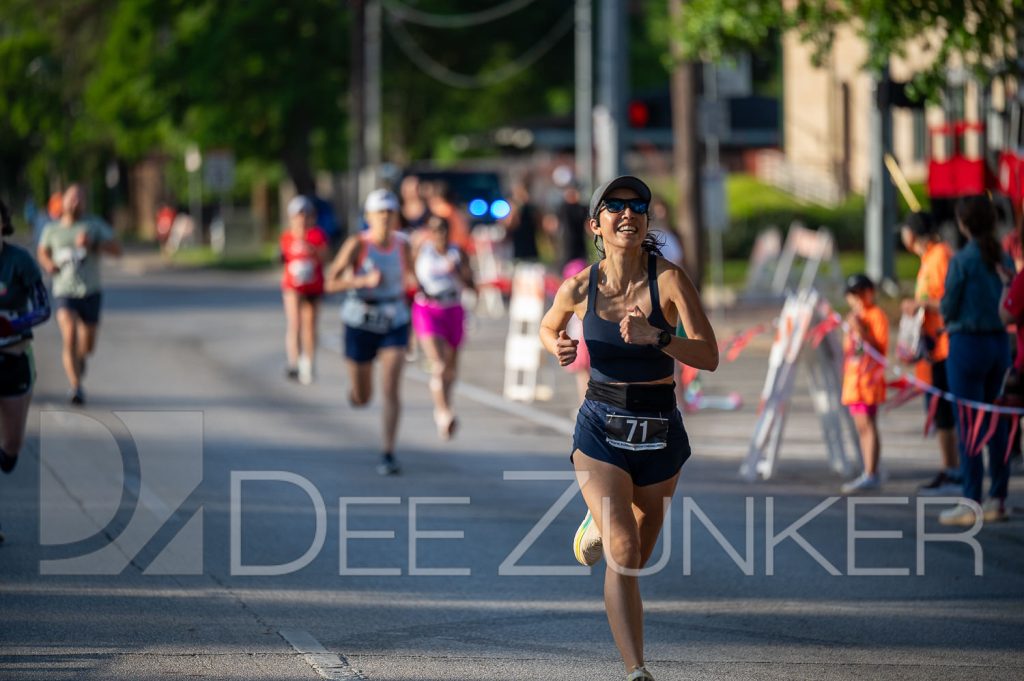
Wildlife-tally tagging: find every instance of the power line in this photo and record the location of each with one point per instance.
(438, 71)
(414, 16)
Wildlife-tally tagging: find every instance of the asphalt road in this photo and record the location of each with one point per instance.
(137, 528)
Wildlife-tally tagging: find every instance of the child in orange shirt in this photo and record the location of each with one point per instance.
(863, 375)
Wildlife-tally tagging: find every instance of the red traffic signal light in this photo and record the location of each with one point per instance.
(639, 114)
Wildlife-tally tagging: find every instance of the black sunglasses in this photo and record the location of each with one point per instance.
(638, 206)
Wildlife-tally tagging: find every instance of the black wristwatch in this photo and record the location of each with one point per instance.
(664, 338)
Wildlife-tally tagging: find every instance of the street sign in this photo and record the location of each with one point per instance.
(219, 170)
(716, 214)
(713, 118)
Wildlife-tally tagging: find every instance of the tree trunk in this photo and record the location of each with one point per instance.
(685, 154)
(296, 157)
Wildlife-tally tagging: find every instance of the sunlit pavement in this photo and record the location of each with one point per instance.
(210, 346)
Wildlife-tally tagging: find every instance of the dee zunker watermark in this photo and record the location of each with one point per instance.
(115, 489)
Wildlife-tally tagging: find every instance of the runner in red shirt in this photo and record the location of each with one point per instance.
(303, 251)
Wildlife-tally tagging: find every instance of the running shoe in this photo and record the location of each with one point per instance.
(446, 424)
(943, 485)
(961, 515)
(291, 373)
(586, 546)
(7, 462)
(864, 483)
(640, 674)
(305, 371)
(994, 510)
(388, 465)
(76, 397)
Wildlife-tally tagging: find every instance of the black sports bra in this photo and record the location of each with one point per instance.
(613, 360)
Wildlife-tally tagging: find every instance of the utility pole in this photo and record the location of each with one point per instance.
(372, 135)
(880, 220)
(584, 97)
(685, 154)
(610, 123)
(357, 113)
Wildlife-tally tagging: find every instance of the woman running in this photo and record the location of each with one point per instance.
(372, 269)
(303, 250)
(23, 304)
(629, 442)
(70, 250)
(442, 270)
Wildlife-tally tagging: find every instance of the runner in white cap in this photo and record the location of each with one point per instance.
(372, 268)
(303, 251)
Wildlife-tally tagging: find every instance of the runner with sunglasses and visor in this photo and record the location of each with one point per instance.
(629, 443)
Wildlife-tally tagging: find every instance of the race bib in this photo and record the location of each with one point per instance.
(63, 257)
(377, 318)
(636, 433)
(302, 272)
(69, 256)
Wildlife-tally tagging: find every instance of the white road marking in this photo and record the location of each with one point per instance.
(325, 663)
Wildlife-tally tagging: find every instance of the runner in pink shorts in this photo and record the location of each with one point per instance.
(442, 270)
(580, 367)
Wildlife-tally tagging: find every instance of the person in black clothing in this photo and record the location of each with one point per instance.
(522, 224)
(572, 228)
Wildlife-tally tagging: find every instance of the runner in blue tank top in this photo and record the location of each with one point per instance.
(629, 442)
(373, 271)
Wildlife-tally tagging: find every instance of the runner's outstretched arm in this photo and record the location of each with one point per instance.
(37, 314)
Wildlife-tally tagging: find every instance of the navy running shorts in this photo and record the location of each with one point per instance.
(645, 467)
(362, 346)
(87, 308)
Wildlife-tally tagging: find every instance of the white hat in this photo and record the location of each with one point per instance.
(300, 204)
(380, 199)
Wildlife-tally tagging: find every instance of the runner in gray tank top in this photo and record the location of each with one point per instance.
(372, 269)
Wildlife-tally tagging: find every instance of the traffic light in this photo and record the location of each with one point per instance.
(639, 114)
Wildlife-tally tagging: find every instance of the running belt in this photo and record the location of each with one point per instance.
(634, 396)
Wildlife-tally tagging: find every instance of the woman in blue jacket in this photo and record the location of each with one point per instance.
(979, 351)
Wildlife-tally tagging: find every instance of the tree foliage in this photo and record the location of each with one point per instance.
(979, 34)
(47, 48)
(85, 82)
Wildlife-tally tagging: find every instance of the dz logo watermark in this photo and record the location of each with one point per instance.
(118, 491)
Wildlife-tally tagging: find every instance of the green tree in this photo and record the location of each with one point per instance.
(442, 81)
(47, 50)
(263, 78)
(981, 34)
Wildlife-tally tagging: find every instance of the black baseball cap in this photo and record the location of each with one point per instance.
(856, 283)
(623, 181)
